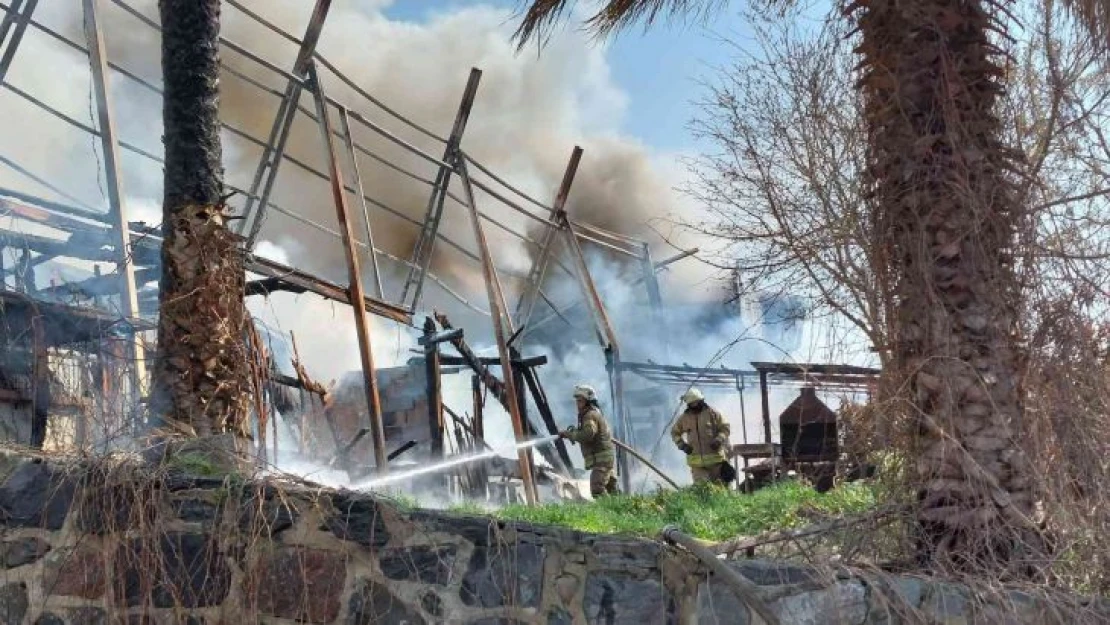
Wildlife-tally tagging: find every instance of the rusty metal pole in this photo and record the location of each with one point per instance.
(497, 316)
(357, 294)
(609, 344)
(129, 302)
(345, 124)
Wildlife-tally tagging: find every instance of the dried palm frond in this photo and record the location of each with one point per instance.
(542, 15)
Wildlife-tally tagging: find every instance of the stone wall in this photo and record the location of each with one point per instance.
(85, 546)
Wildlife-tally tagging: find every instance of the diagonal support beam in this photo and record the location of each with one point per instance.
(498, 315)
(527, 304)
(429, 230)
(345, 124)
(484, 377)
(11, 14)
(19, 20)
(273, 153)
(354, 273)
(609, 343)
(109, 143)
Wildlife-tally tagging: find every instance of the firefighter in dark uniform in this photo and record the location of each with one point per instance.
(596, 439)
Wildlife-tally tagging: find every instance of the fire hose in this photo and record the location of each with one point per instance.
(647, 463)
(742, 587)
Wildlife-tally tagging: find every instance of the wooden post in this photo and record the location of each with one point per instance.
(354, 274)
(479, 422)
(40, 378)
(435, 397)
(345, 122)
(765, 402)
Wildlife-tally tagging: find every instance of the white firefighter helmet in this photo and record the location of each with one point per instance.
(691, 396)
(585, 391)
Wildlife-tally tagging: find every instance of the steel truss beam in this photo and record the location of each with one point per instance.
(273, 153)
(429, 229)
(109, 143)
(527, 304)
(19, 20)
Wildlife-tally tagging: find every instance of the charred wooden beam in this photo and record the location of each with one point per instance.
(325, 289)
(400, 450)
(479, 407)
(432, 376)
(469, 429)
(544, 407)
(102, 284)
(497, 387)
(435, 338)
(266, 286)
(456, 361)
(469, 358)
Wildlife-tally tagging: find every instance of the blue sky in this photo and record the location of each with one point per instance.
(659, 70)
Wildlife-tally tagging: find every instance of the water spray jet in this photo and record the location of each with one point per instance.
(447, 464)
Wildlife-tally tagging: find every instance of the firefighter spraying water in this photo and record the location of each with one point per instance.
(596, 439)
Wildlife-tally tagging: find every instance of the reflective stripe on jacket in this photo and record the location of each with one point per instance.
(594, 436)
(700, 429)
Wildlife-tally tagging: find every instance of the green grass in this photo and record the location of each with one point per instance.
(194, 464)
(706, 512)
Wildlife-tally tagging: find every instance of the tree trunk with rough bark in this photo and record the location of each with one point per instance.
(201, 380)
(946, 220)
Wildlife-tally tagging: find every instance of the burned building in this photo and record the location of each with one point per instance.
(404, 409)
(63, 373)
(69, 342)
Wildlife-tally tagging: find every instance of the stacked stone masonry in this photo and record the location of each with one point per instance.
(87, 546)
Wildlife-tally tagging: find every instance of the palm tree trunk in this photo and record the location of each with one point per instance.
(201, 376)
(946, 221)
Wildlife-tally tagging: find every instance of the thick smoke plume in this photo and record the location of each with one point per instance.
(530, 111)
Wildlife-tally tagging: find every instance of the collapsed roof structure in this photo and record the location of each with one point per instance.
(98, 325)
(63, 230)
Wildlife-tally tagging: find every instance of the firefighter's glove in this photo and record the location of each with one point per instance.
(685, 447)
(566, 433)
